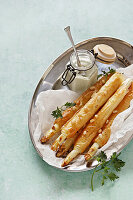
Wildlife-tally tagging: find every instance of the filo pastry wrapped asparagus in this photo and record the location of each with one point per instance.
(91, 130)
(104, 134)
(67, 144)
(89, 109)
(68, 113)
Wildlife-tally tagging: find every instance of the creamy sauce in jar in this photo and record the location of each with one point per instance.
(83, 79)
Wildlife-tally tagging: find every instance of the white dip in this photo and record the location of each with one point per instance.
(84, 79)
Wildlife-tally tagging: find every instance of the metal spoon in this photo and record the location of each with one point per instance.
(67, 30)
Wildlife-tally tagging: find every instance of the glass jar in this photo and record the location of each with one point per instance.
(83, 79)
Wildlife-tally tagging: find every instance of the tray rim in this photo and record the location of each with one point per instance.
(50, 67)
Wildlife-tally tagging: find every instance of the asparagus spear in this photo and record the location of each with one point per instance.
(91, 130)
(103, 137)
(68, 113)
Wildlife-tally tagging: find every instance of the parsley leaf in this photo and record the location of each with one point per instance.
(111, 71)
(102, 156)
(105, 167)
(68, 104)
(112, 176)
(99, 75)
(118, 164)
(58, 112)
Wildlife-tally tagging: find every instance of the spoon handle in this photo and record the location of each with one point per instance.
(67, 30)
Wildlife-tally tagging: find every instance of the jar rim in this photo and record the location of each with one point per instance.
(87, 52)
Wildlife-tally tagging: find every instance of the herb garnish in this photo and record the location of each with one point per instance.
(68, 104)
(107, 166)
(58, 112)
(111, 71)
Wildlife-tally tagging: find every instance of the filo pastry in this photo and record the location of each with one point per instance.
(104, 133)
(69, 112)
(89, 109)
(91, 130)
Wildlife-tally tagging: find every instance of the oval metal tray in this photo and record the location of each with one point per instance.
(51, 80)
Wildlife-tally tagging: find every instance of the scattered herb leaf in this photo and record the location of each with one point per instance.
(111, 71)
(99, 75)
(105, 167)
(68, 104)
(58, 112)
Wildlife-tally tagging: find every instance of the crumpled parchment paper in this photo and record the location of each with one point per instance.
(47, 101)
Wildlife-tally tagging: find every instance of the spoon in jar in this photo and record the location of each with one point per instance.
(67, 30)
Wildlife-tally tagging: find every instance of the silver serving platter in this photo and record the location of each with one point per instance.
(51, 81)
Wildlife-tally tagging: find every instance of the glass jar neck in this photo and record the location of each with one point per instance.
(86, 59)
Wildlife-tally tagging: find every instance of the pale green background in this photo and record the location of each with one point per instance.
(31, 37)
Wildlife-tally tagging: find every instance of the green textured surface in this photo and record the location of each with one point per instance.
(31, 37)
